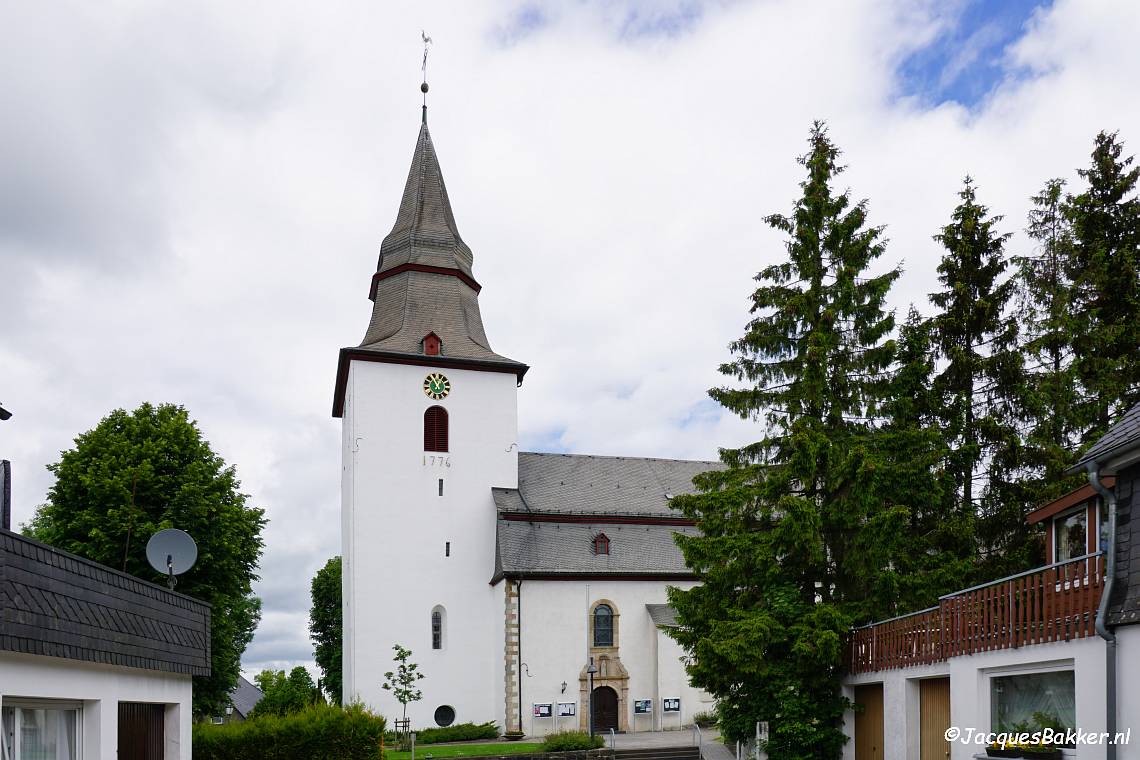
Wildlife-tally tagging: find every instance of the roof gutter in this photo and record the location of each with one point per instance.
(1102, 628)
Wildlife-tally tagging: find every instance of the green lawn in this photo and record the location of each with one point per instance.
(425, 751)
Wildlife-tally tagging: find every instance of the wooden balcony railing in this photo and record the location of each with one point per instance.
(1052, 603)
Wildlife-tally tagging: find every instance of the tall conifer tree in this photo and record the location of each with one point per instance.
(975, 336)
(1105, 272)
(794, 540)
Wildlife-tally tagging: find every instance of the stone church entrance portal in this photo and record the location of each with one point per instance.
(605, 709)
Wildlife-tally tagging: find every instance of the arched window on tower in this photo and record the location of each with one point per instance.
(435, 429)
(603, 626)
(438, 619)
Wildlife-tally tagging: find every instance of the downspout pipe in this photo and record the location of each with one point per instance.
(1102, 628)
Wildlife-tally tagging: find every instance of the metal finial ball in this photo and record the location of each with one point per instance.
(424, 87)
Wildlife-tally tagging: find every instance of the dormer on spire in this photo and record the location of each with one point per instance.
(432, 345)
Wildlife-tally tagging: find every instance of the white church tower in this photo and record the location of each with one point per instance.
(429, 427)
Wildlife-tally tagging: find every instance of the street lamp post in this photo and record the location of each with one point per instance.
(591, 671)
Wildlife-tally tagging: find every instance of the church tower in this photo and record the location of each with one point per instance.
(429, 427)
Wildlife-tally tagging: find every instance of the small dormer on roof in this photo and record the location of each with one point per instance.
(432, 345)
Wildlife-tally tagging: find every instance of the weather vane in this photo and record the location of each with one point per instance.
(424, 86)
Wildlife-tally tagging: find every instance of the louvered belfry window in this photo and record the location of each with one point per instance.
(435, 429)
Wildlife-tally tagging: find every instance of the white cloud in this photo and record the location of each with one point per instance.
(194, 196)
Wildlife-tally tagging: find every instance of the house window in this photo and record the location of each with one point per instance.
(435, 429)
(1033, 702)
(603, 626)
(601, 544)
(1071, 536)
(40, 732)
(437, 620)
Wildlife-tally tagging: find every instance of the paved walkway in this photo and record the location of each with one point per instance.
(711, 748)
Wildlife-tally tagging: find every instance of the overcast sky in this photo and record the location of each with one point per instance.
(193, 195)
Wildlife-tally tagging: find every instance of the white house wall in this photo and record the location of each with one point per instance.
(100, 688)
(970, 695)
(554, 625)
(396, 525)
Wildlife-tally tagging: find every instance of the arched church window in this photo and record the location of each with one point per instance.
(601, 544)
(437, 622)
(435, 429)
(603, 626)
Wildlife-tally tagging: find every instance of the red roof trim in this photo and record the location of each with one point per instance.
(599, 519)
(1062, 503)
(391, 357)
(376, 278)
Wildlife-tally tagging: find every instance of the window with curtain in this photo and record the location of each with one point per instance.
(1070, 534)
(603, 626)
(39, 733)
(435, 429)
(1033, 701)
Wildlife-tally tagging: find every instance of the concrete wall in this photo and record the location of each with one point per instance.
(970, 695)
(554, 648)
(395, 527)
(100, 688)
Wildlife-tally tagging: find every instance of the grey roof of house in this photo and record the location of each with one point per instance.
(662, 615)
(56, 604)
(410, 304)
(553, 549)
(244, 697)
(1120, 437)
(577, 484)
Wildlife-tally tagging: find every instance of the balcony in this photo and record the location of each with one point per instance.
(1053, 603)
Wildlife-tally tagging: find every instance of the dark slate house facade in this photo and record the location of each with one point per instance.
(94, 663)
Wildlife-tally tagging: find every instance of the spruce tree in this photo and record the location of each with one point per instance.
(975, 337)
(1105, 272)
(793, 540)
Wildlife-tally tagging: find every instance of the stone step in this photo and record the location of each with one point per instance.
(658, 753)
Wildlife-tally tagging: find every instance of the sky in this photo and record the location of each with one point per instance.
(193, 195)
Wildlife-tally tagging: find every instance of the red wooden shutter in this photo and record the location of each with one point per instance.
(435, 429)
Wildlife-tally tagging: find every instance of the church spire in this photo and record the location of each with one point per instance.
(424, 286)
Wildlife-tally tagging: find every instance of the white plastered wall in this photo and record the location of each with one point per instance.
(970, 695)
(396, 526)
(100, 688)
(554, 648)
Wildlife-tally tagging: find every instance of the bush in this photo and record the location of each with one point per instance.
(319, 732)
(705, 719)
(460, 732)
(568, 741)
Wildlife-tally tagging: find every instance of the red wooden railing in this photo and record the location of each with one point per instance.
(1053, 603)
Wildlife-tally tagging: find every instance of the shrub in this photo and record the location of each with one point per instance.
(460, 732)
(319, 732)
(568, 741)
(705, 719)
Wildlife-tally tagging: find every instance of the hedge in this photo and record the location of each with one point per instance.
(320, 732)
(568, 741)
(460, 732)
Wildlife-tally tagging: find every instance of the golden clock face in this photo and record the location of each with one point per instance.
(436, 386)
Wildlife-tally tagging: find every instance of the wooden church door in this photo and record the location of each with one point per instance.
(605, 709)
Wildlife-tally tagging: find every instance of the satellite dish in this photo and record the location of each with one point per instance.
(171, 552)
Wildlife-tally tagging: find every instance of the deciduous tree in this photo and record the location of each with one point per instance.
(326, 627)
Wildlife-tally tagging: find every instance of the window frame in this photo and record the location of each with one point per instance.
(17, 705)
(1082, 509)
(594, 625)
(1032, 669)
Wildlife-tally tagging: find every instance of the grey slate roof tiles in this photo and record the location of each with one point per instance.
(1123, 435)
(244, 697)
(544, 548)
(600, 485)
(663, 615)
(57, 604)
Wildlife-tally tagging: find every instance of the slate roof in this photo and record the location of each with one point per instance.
(566, 549)
(1123, 435)
(244, 697)
(581, 484)
(56, 604)
(662, 615)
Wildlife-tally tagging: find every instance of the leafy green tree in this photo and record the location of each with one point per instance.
(794, 538)
(402, 681)
(138, 472)
(285, 694)
(326, 627)
(1105, 272)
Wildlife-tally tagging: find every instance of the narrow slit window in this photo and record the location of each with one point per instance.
(447, 549)
(437, 628)
(441, 486)
(435, 429)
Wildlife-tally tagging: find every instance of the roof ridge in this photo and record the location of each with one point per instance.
(619, 456)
